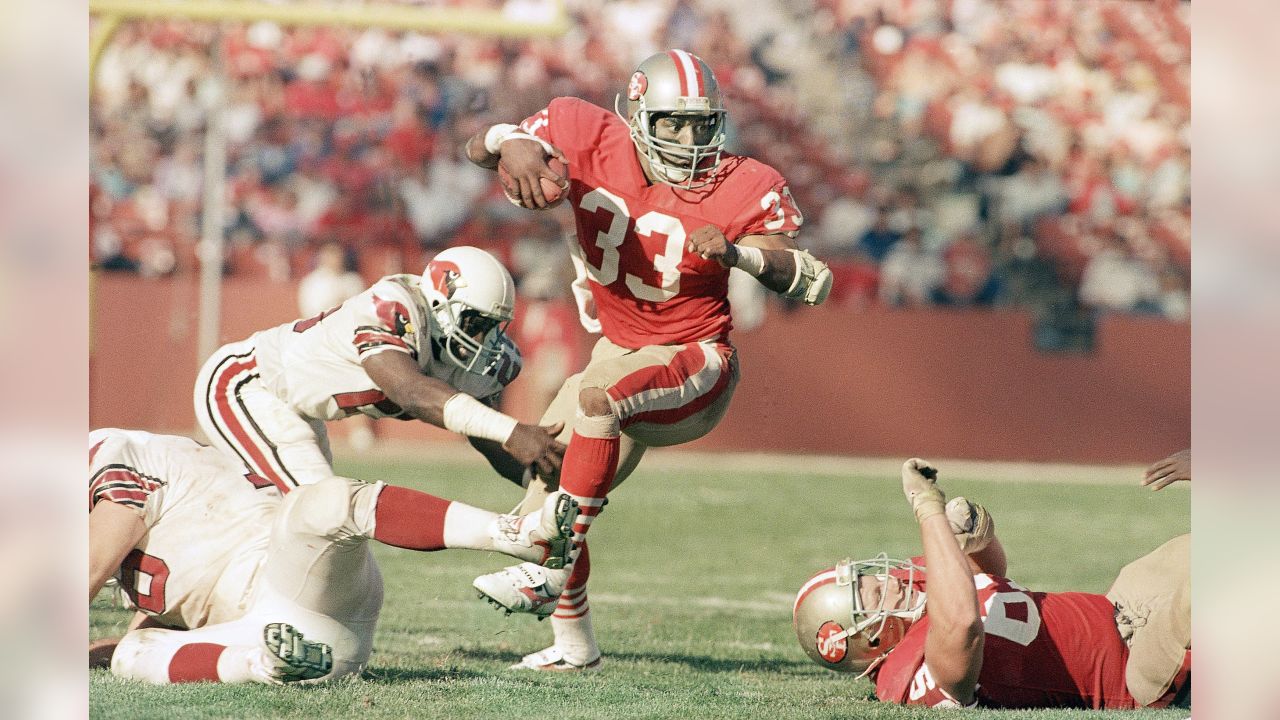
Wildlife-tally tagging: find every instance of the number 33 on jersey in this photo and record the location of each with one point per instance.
(632, 235)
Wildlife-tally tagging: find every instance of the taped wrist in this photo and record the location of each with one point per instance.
(521, 135)
(750, 260)
(465, 415)
(928, 502)
(493, 138)
(812, 282)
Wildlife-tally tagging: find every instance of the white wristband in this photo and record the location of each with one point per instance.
(750, 260)
(493, 138)
(465, 415)
(521, 135)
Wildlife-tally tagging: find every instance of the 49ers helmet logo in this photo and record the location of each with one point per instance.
(638, 85)
(831, 649)
(444, 277)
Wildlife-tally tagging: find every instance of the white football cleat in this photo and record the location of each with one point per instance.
(543, 537)
(553, 659)
(295, 657)
(523, 588)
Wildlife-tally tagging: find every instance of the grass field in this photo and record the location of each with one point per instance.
(694, 571)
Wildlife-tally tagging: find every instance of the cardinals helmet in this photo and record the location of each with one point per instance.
(472, 299)
(834, 626)
(677, 83)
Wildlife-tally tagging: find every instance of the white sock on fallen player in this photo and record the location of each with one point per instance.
(468, 527)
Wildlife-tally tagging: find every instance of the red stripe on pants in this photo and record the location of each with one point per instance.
(232, 423)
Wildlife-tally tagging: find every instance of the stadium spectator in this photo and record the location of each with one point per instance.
(910, 273)
(876, 242)
(1115, 280)
(979, 639)
(664, 371)
(427, 347)
(968, 278)
(233, 583)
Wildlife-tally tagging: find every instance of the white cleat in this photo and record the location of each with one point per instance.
(295, 657)
(542, 537)
(523, 588)
(553, 660)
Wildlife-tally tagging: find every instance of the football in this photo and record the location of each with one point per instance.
(552, 192)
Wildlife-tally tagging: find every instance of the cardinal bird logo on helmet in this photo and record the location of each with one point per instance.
(638, 85)
(444, 277)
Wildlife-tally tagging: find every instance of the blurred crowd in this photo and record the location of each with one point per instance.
(945, 152)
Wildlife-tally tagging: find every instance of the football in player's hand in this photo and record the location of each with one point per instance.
(552, 192)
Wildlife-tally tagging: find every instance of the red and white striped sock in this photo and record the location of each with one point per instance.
(571, 621)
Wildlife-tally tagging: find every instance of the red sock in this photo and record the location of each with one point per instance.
(573, 600)
(410, 519)
(589, 466)
(197, 662)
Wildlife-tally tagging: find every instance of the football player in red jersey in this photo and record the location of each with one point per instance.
(662, 214)
(979, 639)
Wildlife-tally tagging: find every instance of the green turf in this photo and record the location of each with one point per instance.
(692, 580)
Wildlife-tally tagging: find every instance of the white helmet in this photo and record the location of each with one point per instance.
(472, 299)
(676, 82)
(834, 628)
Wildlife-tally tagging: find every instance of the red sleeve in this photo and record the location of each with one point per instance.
(570, 124)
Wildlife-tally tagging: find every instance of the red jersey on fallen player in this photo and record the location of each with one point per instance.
(1040, 650)
(632, 234)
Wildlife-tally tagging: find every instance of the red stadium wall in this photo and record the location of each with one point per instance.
(938, 383)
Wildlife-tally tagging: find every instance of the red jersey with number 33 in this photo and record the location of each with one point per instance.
(648, 290)
(1040, 650)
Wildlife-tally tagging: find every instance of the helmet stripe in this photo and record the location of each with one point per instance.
(691, 84)
(823, 578)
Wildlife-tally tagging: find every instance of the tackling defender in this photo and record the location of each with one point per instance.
(429, 347)
(234, 583)
(662, 214)
(984, 640)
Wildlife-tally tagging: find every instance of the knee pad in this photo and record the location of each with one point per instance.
(322, 509)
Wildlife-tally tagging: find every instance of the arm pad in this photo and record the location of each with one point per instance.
(812, 282)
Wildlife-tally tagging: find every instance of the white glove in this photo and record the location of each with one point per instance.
(919, 480)
(972, 524)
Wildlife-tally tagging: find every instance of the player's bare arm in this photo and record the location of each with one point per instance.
(114, 530)
(523, 156)
(774, 260)
(1169, 470)
(436, 402)
(499, 459)
(953, 646)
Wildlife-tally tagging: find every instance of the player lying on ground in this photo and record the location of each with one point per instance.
(980, 639)
(662, 214)
(234, 583)
(429, 347)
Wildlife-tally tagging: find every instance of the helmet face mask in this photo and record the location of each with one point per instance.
(472, 300)
(842, 632)
(676, 84)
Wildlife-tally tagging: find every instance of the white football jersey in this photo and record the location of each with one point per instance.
(208, 523)
(314, 364)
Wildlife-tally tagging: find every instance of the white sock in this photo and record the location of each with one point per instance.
(238, 664)
(468, 527)
(576, 638)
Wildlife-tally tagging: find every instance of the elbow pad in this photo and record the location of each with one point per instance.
(812, 282)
